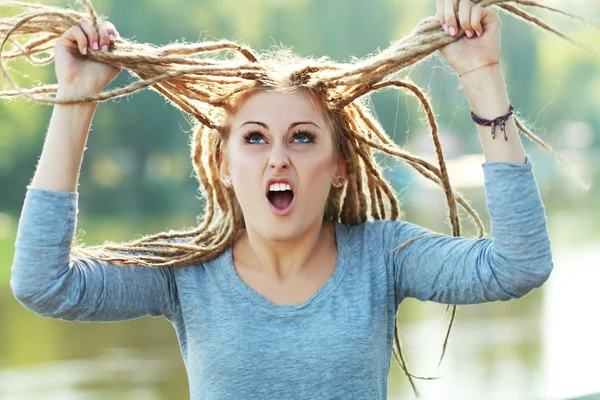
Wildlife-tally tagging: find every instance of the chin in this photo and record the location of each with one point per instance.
(285, 230)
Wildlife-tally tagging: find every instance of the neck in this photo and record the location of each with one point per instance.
(283, 261)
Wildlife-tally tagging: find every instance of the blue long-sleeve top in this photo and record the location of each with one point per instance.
(236, 344)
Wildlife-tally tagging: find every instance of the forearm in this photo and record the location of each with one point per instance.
(486, 91)
(60, 162)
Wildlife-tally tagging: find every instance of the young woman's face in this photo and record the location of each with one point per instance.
(281, 160)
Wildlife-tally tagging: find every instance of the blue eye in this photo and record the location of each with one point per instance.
(254, 138)
(304, 137)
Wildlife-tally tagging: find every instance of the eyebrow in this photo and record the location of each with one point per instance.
(292, 125)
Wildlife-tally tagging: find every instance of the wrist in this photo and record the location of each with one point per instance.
(477, 68)
(485, 89)
(76, 91)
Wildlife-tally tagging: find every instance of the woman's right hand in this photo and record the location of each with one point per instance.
(75, 73)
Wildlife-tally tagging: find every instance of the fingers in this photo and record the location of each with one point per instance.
(470, 17)
(464, 16)
(476, 18)
(98, 39)
(440, 13)
(113, 34)
(103, 39)
(450, 17)
(90, 32)
(76, 34)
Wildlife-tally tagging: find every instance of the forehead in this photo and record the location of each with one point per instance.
(273, 108)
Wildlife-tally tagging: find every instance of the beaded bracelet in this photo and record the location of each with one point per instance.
(500, 121)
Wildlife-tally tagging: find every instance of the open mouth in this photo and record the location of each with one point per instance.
(281, 196)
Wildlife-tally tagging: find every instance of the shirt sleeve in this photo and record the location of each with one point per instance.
(49, 281)
(454, 270)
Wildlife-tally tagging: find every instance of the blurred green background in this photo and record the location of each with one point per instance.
(136, 179)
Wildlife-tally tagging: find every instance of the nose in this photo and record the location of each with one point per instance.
(278, 157)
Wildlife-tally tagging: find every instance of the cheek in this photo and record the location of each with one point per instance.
(247, 171)
(244, 162)
(316, 172)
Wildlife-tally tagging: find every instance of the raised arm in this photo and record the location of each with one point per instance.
(77, 76)
(476, 60)
(44, 277)
(452, 270)
(518, 258)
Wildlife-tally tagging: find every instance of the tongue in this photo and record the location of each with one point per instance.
(281, 200)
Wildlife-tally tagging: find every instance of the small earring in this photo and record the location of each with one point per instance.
(227, 182)
(339, 181)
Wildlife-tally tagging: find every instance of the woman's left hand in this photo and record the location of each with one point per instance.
(480, 46)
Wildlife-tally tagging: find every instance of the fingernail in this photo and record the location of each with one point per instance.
(105, 48)
(469, 34)
(111, 37)
(84, 51)
(478, 33)
(445, 28)
(95, 46)
(452, 31)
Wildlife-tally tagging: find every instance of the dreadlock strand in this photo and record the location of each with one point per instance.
(382, 210)
(92, 12)
(459, 198)
(397, 348)
(447, 337)
(373, 127)
(206, 47)
(447, 189)
(372, 196)
(34, 46)
(387, 189)
(525, 16)
(350, 199)
(362, 198)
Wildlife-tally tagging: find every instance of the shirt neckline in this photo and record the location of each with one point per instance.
(330, 284)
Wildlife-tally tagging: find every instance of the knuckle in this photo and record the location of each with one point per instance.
(85, 23)
(85, 29)
(79, 35)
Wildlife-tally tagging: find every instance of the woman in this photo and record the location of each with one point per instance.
(290, 287)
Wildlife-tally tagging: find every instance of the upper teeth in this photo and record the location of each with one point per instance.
(279, 187)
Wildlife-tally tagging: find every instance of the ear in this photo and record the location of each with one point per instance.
(341, 174)
(224, 169)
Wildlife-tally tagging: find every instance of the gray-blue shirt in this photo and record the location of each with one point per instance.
(236, 344)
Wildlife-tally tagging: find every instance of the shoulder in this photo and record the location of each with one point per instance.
(183, 238)
(382, 232)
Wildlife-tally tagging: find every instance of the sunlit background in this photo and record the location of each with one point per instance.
(136, 179)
